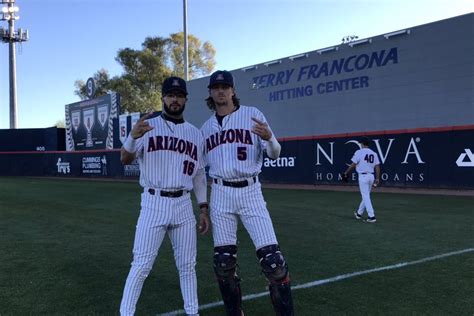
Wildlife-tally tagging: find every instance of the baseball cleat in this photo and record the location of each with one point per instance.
(357, 216)
(371, 220)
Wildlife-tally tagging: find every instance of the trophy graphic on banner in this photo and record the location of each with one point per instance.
(76, 120)
(89, 124)
(103, 114)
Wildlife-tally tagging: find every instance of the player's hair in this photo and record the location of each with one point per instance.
(364, 141)
(212, 105)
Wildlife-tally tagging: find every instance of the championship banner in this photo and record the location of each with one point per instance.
(135, 117)
(126, 123)
(89, 123)
(103, 115)
(76, 119)
(123, 127)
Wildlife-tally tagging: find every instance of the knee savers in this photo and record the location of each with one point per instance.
(276, 270)
(225, 261)
(273, 264)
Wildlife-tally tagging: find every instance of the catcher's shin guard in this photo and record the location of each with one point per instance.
(282, 300)
(276, 271)
(225, 266)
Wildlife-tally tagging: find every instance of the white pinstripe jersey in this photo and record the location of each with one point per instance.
(169, 155)
(365, 159)
(232, 151)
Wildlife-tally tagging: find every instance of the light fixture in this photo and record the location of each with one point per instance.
(349, 38)
(249, 68)
(401, 32)
(326, 50)
(299, 56)
(274, 62)
(359, 42)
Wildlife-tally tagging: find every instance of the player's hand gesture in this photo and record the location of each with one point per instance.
(141, 127)
(261, 129)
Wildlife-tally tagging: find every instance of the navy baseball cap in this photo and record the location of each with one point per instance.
(364, 140)
(173, 84)
(221, 77)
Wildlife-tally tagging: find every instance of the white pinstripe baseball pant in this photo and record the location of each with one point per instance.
(158, 216)
(365, 185)
(228, 204)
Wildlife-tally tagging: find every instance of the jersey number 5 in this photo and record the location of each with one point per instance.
(242, 153)
(188, 167)
(369, 158)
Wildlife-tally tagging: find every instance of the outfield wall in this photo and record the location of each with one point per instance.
(428, 158)
(32, 139)
(438, 158)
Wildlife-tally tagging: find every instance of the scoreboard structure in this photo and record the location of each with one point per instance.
(89, 123)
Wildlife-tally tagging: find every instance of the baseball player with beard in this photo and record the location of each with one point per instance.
(365, 160)
(169, 151)
(235, 138)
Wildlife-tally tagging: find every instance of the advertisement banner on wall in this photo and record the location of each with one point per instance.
(429, 159)
(443, 159)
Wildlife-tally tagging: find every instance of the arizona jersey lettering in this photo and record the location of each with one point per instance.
(178, 146)
(232, 151)
(229, 136)
(173, 144)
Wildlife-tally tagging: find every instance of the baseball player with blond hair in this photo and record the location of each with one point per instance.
(365, 160)
(236, 137)
(169, 151)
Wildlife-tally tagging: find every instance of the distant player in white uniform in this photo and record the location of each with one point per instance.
(365, 160)
(235, 138)
(169, 151)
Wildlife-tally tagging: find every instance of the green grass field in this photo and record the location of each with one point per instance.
(65, 249)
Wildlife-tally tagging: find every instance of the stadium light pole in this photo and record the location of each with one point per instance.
(10, 36)
(185, 31)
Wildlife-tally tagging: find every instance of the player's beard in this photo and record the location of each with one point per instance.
(219, 104)
(175, 113)
(221, 101)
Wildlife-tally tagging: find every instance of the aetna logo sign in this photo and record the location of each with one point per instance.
(279, 162)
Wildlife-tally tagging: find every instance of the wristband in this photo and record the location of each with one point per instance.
(130, 144)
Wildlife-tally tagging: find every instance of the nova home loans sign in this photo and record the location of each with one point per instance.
(411, 159)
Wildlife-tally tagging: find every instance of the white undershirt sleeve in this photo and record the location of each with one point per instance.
(130, 144)
(273, 148)
(200, 186)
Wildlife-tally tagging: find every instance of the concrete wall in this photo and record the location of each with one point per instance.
(418, 79)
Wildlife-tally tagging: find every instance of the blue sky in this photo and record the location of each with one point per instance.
(72, 39)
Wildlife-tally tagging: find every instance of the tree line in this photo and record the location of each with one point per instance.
(145, 69)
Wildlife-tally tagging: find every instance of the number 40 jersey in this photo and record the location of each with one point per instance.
(366, 160)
